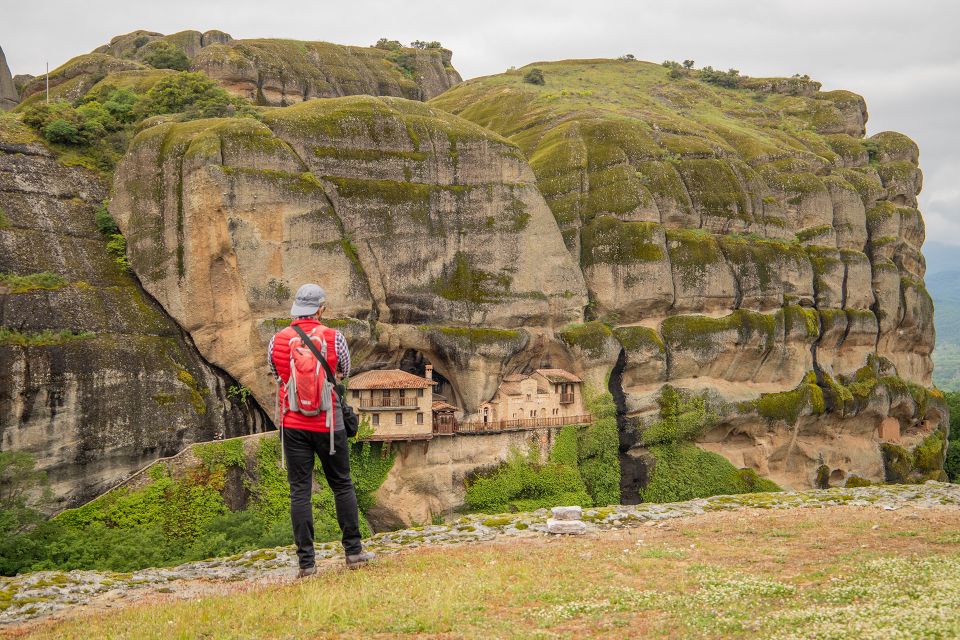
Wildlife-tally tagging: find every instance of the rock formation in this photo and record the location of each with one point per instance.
(639, 225)
(412, 219)
(95, 379)
(749, 244)
(737, 239)
(9, 97)
(284, 72)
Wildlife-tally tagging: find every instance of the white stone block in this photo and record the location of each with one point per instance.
(567, 513)
(569, 527)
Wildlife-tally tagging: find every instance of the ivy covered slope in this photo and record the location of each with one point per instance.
(413, 220)
(737, 235)
(270, 72)
(213, 499)
(95, 379)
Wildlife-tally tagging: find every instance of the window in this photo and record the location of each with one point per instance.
(419, 418)
(375, 419)
(355, 393)
(385, 393)
(403, 392)
(419, 393)
(398, 417)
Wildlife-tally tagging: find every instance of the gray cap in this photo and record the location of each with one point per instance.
(308, 300)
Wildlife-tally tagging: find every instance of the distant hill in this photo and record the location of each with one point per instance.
(944, 287)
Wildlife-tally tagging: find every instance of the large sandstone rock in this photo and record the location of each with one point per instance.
(735, 241)
(95, 379)
(9, 96)
(405, 213)
(284, 72)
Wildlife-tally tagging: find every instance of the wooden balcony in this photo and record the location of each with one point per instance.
(566, 398)
(445, 426)
(389, 402)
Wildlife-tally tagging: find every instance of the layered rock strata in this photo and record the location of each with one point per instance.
(95, 379)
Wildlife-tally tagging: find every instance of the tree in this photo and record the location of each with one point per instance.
(420, 44)
(627, 57)
(193, 94)
(389, 45)
(534, 76)
(164, 55)
(688, 64)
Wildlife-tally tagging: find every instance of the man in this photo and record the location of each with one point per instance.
(307, 435)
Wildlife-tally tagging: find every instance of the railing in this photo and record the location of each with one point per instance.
(445, 426)
(522, 423)
(389, 402)
(566, 398)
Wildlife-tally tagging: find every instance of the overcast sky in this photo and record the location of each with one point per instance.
(903, 57)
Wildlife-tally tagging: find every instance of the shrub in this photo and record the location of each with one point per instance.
(193, 94)
(522, 484)
(729, 79)
(64, 132)
(164, 55)
(104, 221)
(389, 45)
(683, 471)
(420, 44)
(534, 76)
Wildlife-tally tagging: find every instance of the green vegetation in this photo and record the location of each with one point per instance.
(925, 462)
(173, 517)
(471, 287)
(94, 130)
(703, 334)
(682, 470)
(582, 468)
(165, 55)
(607, 240)
(592, 337)
(790, 405)
(31, 282)
(46, 338)
(522, 483)
(534, 76)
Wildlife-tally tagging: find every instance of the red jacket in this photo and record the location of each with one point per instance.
(280, 357)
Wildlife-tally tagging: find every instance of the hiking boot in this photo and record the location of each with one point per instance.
(306, 572)
(357, 560)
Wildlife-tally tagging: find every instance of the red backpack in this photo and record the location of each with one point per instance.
(308, 390)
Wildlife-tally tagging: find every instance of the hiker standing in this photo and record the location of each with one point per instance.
(311, 422)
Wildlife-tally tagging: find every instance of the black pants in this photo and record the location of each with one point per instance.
(300, 447)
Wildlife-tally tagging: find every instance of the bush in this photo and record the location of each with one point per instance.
(389, 45)
(420, 44)
(193, 94)
(104, 221)
(164, 55)
(683, 471)
(522, 484)
(534, 76)
(729, 79)
(63, 132)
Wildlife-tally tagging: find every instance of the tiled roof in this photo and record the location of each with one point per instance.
(440, 405)
(388, 379)
(510, 389)
(558, 375)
